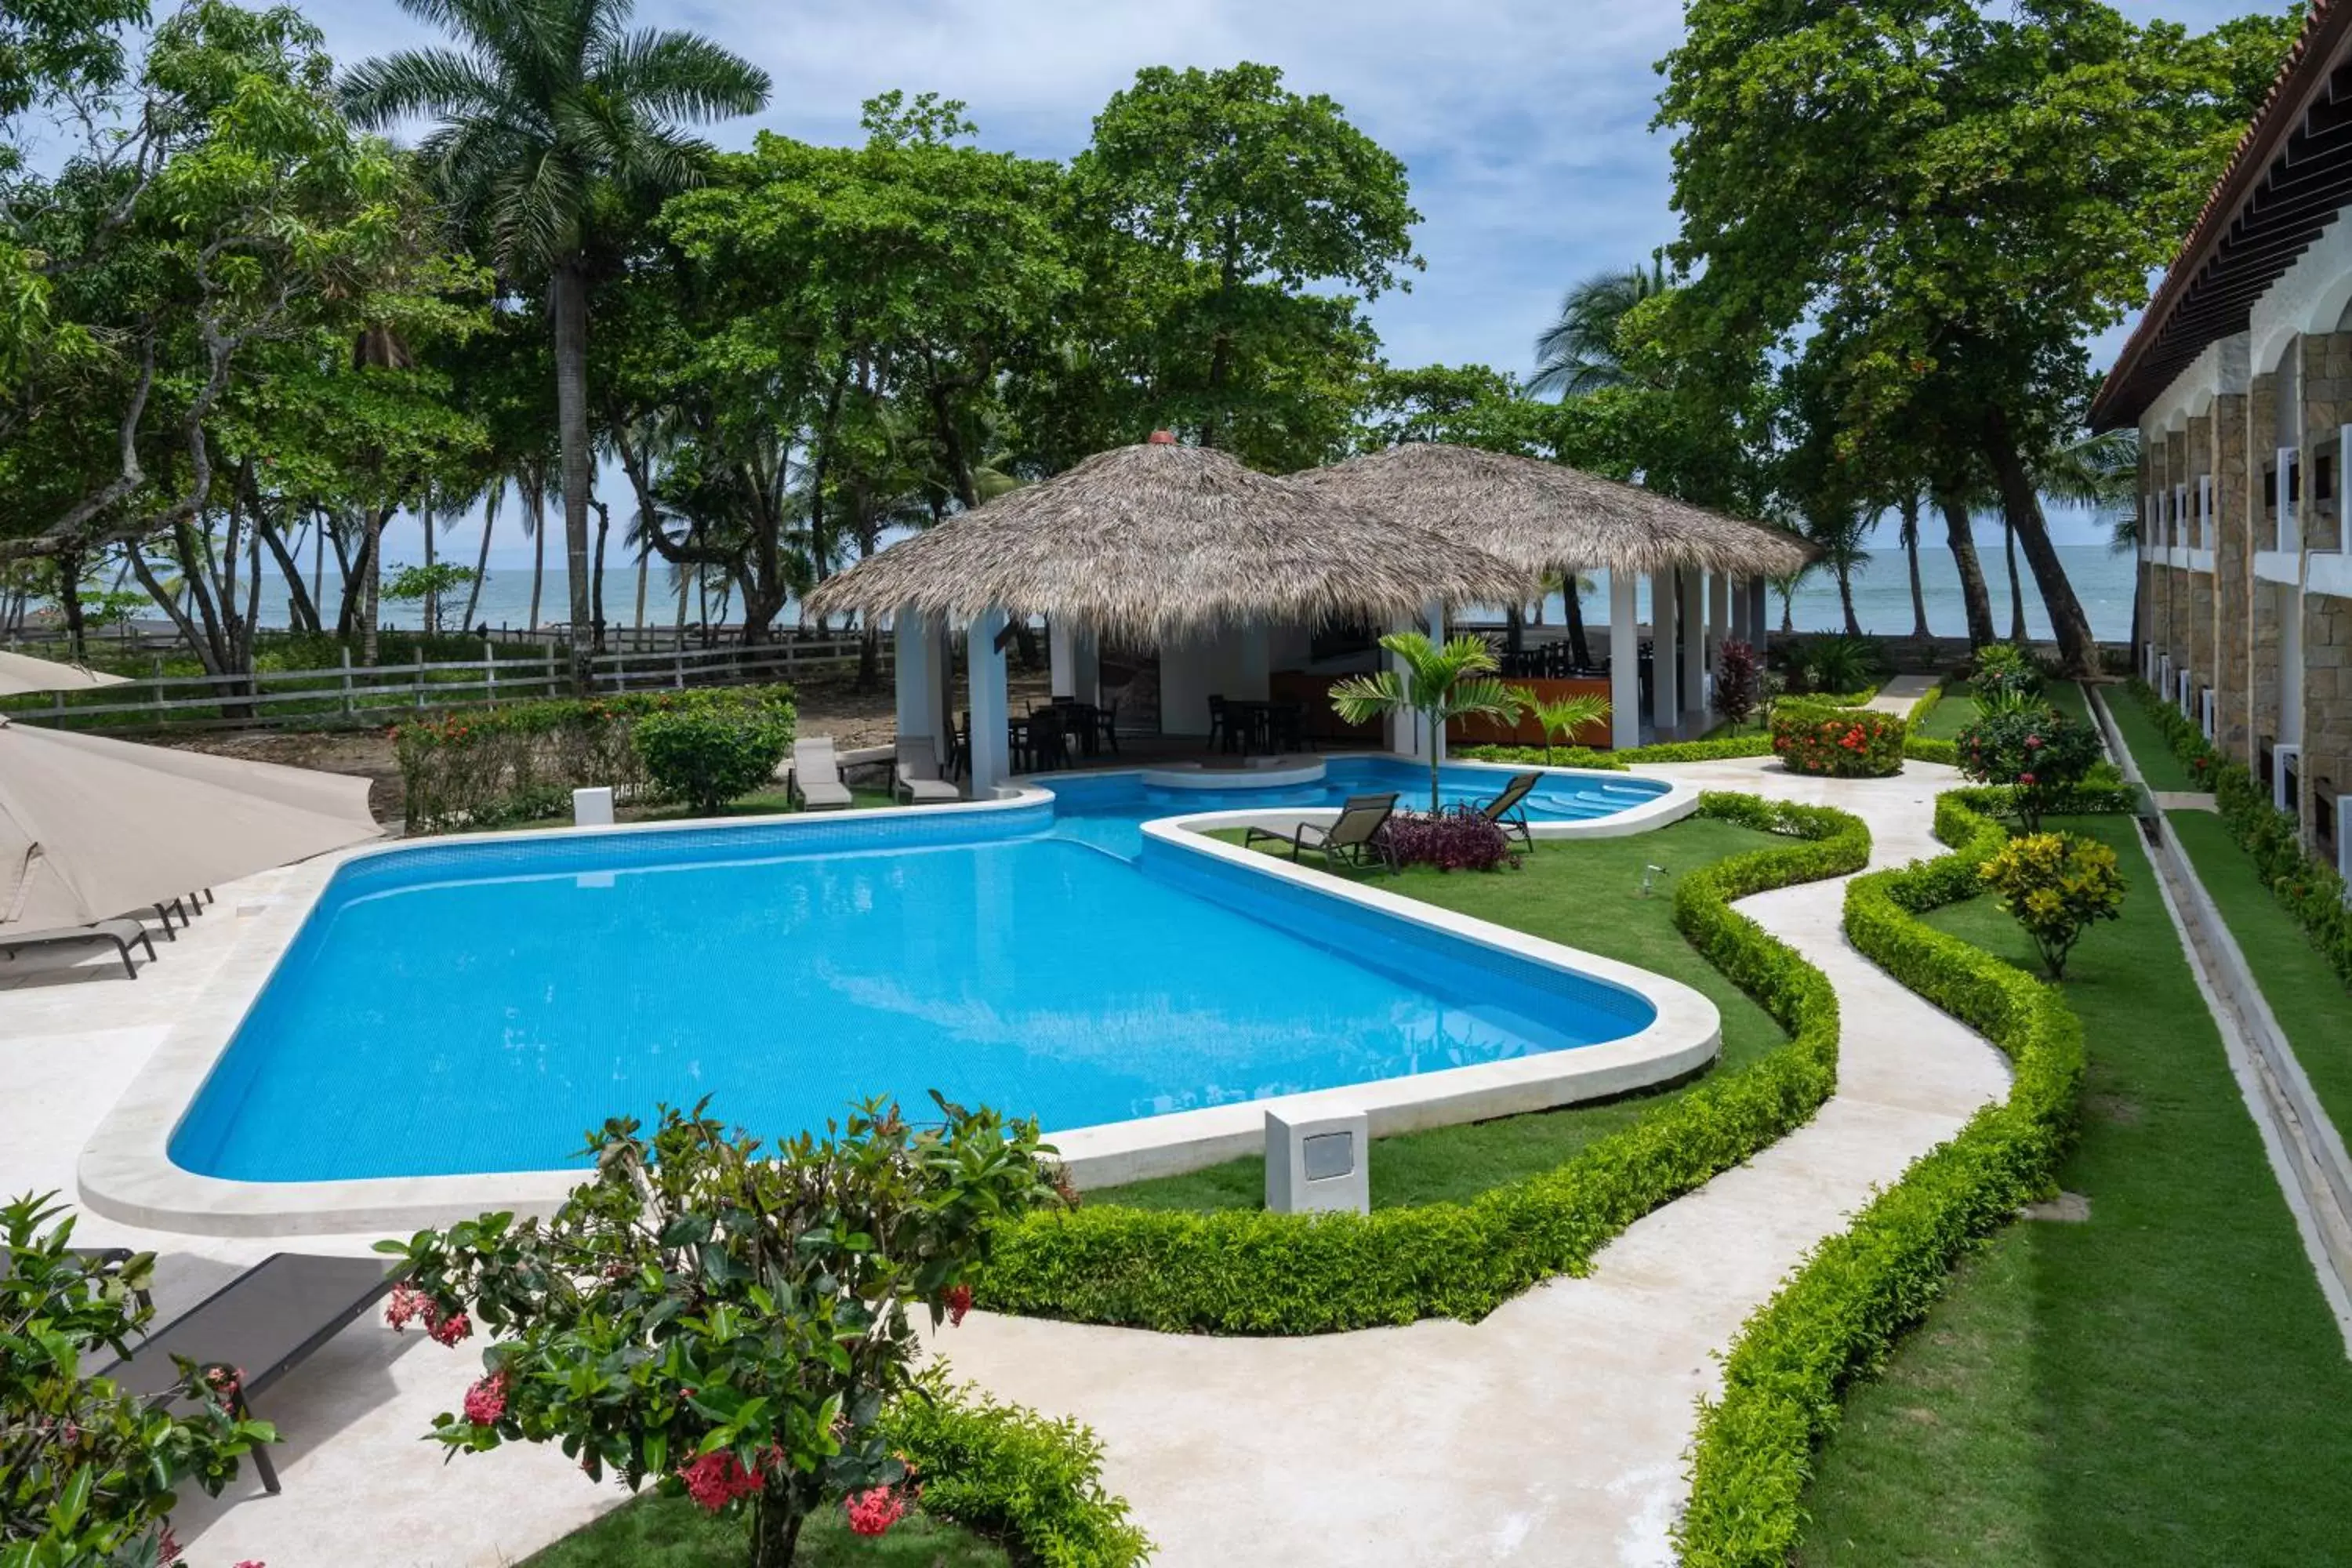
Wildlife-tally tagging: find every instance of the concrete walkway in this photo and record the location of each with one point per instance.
(1553, 1432)
(1900, 694)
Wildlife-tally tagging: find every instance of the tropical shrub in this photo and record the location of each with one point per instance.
(1438, 684)
(2004, 676)
(520, 761)
(722, 1318)
(1837, 664)
(1560, 718)
(1838, 1317)
(88, 1470)
(707, 754)
(1840, 743)
(1738, 681)
(1251, 1272)
(2054, 885)
(1453, 840)
(2038, 752)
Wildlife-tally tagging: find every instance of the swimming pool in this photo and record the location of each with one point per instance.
(476, 1006)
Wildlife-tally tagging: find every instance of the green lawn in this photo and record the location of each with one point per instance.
(672, 1532)
(1586, 895)
(2304, 992)
(767, 802)
(1953, 714)
(2160, 1384)
(2157, 765)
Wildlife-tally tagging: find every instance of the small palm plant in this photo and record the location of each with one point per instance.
(1438, 684)
(1562, 718)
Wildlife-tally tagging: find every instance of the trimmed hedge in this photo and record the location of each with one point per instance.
(1840, 744)
(1250, 1272)
(1838, 1316)
(1014, 1475)
(2314, 893)
(480, 767)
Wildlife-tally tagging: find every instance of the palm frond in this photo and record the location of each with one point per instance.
(681, 76)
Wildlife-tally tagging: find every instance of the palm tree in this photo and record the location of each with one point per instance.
(1577, 352)
(548, 110)
(1840, 534)
(1908, 534)
(1439, 684)
(1563, 717)
(1786, 586)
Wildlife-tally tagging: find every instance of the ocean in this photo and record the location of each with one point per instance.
(1882, 592)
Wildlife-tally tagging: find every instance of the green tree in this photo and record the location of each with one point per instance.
(556, 122)
(1579, 352)
(1237, 227)
(1437, 685)
(1958, 199)
(1560, 719)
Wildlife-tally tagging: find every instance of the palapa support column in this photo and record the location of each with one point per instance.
(916, 667)
(985, 661)
(1691, 625)
(1624, 663)
(1666, 668)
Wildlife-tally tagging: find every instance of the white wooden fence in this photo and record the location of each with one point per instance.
(351, 693)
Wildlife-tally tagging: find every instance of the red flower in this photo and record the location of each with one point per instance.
(874, 1512)
(486, 1401)
(448, 1330)
(2032, 743)
(408, 1304)
(716, 1480)
(959, 1303)
(2025, 778)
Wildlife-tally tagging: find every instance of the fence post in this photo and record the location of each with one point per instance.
(347, 682)
(156, 668)
(549, 689)
(677, 678)
(490, 672)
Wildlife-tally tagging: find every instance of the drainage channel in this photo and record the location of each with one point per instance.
(2307, 1151)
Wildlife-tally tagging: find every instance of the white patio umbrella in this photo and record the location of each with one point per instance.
(21, 673)
(91, 827)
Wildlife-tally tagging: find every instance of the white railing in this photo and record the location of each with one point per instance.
(349, 692)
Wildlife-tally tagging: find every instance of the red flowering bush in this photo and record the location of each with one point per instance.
(1738, 681)
(1454, 839)
(724, 1319)
(1837, 742)
(2038, 752)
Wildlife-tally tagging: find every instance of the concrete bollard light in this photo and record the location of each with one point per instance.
(591, 808)
(1319, 1166)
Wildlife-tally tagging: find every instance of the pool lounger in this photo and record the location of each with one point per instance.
(124, 933)
(268, 1320)
(815, 783)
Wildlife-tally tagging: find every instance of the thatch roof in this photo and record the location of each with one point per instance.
(1158, 539)
(1544, 517)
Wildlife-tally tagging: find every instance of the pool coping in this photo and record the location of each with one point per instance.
(125, 1172)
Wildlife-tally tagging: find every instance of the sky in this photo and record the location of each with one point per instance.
(1525, 124)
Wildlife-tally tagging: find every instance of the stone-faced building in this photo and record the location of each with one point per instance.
(2240, 380)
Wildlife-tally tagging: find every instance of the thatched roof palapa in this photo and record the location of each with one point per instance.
(1544, 517)
(1160, 539)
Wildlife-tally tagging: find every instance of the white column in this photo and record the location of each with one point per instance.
(1060, 658)
(1718, 614)
(1624, 664)
(914, 671)
(1666, 665)
(1407, 735)
(1086, 649)
(1691, 636)
(985, 663)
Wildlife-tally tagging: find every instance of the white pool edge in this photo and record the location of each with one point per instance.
(126, 1173)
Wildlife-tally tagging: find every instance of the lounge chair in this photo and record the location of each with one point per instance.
(815, 784)
(1506, 812)
(916, 777)
(1353, 840)
(124, 933)
(266, 1321)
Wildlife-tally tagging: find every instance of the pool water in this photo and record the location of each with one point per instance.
(479, 1008)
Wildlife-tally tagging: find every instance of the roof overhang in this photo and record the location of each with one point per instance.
(2289, 179)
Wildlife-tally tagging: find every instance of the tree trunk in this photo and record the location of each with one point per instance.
(2078, 653)
(318, 529)
(1963, 538)
(431, 608)
(2016, 585)
(301, 610)
(1911, 551)
(569, 297)
(481, 565)
(645, 564)
(347, 617)
(1788, 609)
(534, 498)
(371, 583)
(1578, 649)
(596, 578)
(1845, 598)
(68, 568)
(775, 1532)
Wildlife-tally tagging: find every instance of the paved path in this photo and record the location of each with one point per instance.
(1900, 693)
(1550, 1432)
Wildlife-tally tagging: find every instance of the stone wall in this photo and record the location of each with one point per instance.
(2262, 598)
(2232, 572)
(2326, 704)
(2199, 584)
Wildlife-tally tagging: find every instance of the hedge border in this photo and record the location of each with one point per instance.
(1014, 1475)
(1838, 1316)
(1249, 1272)
(2309, 890)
